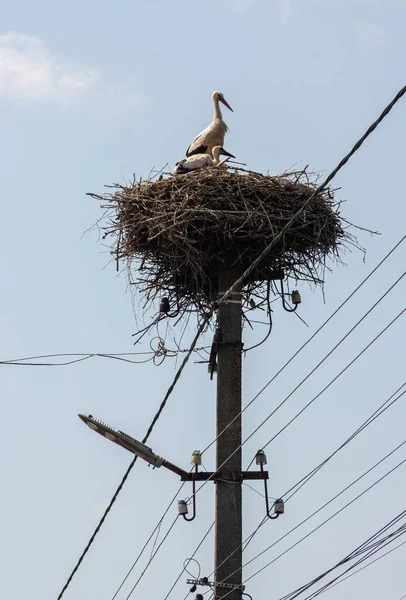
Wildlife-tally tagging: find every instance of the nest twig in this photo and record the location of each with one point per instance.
(175, 234)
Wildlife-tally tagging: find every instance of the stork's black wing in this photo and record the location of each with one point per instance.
(198, 150)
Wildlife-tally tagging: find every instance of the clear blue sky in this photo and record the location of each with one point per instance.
(91, 92)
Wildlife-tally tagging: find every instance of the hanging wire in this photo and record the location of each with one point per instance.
(189, 560)
(269, 313)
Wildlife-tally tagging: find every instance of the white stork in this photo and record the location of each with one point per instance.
(200, 161)
(214, 134)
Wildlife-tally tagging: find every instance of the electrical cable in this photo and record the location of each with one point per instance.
(298, 486)
(152, 557)
(326, 520)
(366, 566)
(269, 312)
(361, 428)
(305, 479)
(334, 514)
(367, 548)
(131, 465)
(319, 364)
(337, 579)
(192, 557)
(189, 560)
(147, 542)
(240, 281)
(319, 329)
(347, 299)
(22, 362)
(309, 403)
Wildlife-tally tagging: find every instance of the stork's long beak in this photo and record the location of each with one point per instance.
(225, 153)
(224, 101)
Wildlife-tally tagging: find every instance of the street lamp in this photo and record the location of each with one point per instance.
(123, 439)
(146, 453)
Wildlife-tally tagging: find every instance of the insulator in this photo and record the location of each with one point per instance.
(279, 506)
(182, 507)
(296, 299)
(164, 306)
(193, 588)
(196, 458)
(218, 336)
(260, 458)
(199, 596)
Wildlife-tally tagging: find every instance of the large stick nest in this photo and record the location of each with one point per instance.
(175, 234)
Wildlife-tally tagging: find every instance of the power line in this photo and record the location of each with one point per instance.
(152, 557)
(326, 520)
(313, 399)
(366, 550)
(334, 379)
(310, 338)
(23, 362)
(318, 395)
(192, 557)
(156, 529)
(126, 474)
(305, 479)
(303, 346)
(329, 518)
(366, 566)
(322, 361)
(240, 281)
(333, 515)
(361, 428)
(326, 387)
(298, 486)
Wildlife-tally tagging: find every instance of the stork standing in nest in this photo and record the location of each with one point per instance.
(200, 161)
(214, 134)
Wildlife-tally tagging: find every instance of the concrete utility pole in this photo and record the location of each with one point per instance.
(228, 534)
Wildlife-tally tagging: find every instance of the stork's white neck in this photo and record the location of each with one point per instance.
(217, 111)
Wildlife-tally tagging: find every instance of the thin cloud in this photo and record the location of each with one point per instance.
(28, 70)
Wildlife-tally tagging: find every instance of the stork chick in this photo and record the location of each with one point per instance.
(200, 161)
(214, 134)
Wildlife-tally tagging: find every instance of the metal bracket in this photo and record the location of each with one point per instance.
(225, 475)
(204, 581)
(237, 295)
